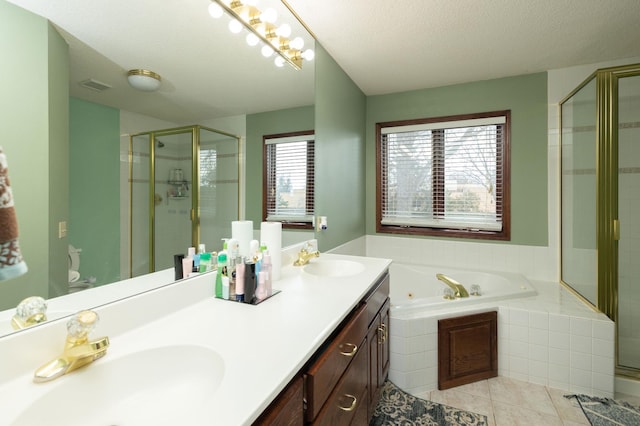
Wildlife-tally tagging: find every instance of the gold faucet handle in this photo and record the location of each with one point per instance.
(81, 324)
(31, 311)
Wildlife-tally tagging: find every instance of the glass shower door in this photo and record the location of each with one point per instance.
(174, 196)
(629, 214)
(578, 199)
(139, 213)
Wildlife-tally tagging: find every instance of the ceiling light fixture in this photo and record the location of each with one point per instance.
(261, 26)
(145, 80)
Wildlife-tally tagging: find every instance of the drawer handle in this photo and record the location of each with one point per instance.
(353, 403)
(382, 329)
(354, 349)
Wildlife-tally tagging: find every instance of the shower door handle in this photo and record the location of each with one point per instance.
(616, 229)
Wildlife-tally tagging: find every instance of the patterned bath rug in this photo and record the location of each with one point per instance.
(607, 412)
(396, 407)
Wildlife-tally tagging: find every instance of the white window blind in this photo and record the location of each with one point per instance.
(289, 172)
(444, 174)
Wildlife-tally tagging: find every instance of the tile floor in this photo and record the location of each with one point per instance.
(510, 402)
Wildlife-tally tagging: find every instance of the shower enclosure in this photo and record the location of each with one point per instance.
(600, 201)
(184, 186)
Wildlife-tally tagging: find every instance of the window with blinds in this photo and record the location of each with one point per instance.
(445, 176)
(288, 190)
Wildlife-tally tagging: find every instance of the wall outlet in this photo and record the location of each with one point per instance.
(62, 229)
(321, 223)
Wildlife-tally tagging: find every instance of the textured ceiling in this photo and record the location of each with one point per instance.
(384, 46)
(392, 46)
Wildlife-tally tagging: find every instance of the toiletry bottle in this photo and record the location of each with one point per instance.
(254, 250)
(177, 266)
(267, 267)
(249, 281)
(191, 254)
(187, 267)
(205, 262)
(225, 288)
(261, 290)
(240, 279)
(222, 264)
(233, 248)
(231, 273)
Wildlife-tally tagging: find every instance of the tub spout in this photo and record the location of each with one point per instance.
(458, 289)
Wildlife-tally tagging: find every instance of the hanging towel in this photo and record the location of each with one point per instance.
(11, 262)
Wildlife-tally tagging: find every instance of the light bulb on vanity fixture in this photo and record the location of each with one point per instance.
(145, 80)
(262, 27)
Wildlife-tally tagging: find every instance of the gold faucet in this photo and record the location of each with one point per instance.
(78, 350)
(309, 250)
(31, 311)
(458, 289)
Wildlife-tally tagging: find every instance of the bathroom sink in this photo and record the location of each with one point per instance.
(162, 386)
(333, 268)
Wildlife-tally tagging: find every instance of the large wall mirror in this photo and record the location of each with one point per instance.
(210, 77)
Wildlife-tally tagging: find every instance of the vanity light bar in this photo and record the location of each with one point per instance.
(249, 16)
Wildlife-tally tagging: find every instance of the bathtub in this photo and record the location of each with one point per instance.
(415, 288)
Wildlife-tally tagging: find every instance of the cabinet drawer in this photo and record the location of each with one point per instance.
(377, 297)
(324, 373)
(349, 399)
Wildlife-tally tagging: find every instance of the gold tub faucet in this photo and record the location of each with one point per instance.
(458, 289)
(78, 350)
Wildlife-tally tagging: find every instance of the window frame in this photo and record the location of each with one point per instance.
(504, 234)
(310, 189)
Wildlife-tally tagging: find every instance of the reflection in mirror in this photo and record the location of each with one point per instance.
(179, 208)
(209, 76)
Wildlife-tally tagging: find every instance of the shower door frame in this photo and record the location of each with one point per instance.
(607, 219)
(195, 183)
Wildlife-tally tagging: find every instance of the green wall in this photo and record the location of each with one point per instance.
(34, 110)
(340, 153)
(94, 188)
(258, 125)
(526, 97)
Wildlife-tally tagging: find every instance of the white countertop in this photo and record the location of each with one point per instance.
(263, 346)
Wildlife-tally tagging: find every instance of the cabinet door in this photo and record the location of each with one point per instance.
(383, 347)
(378, 344)
(348, 396)
(467, 349)
(373, 348)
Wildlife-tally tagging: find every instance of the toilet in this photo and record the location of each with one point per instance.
(75, 283)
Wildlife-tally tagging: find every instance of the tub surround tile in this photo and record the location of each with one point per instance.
(539, 337)
(539, 320)
(602, 365)
(604, 330)
(552, 338)
(559, 340)
(603, 348)
(580, 361)
(581, 344)
(580, 327)
(539, 353)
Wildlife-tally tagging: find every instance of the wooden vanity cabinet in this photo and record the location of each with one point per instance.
(341, 383)
(378, 344)
(346, 392)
